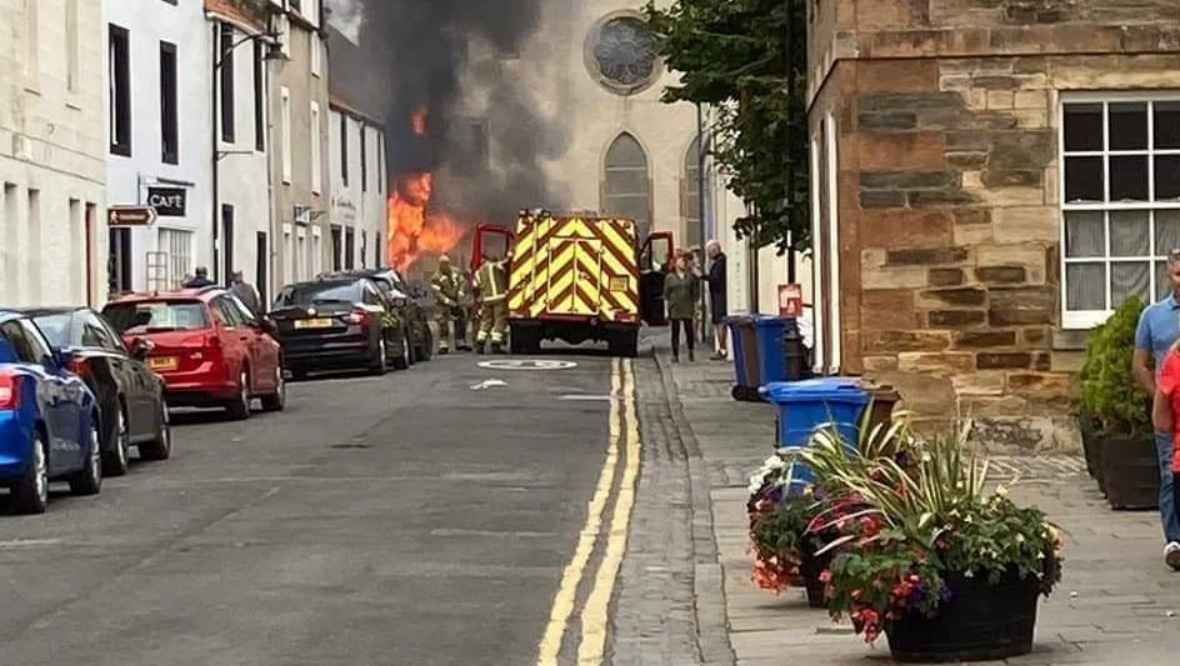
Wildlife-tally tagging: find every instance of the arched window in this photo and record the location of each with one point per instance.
(691, 199)
(627, 187)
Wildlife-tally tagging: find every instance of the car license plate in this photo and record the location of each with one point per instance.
(314, 323)
(164, 363)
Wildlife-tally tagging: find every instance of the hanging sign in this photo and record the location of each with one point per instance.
(131, 216)
(168, 201)
(790, 300)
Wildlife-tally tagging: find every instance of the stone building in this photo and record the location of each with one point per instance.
(299, 109)
(590, 71)
(992, 177)
(160, 154)
(52, 152)
(358, 207)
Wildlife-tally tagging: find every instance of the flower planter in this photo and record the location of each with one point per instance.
(1091, 446)
(813, 566)
(1131, 473)
(980, 622)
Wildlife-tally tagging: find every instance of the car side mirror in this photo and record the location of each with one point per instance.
(140, 348)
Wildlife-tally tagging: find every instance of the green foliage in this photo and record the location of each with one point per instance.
(1110, 391)
(740, 57)
(780, 532)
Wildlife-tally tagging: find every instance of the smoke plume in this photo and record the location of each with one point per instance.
(414, 54)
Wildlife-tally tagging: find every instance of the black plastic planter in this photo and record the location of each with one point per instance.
(981, 622)
(1091, 445)
(813, 566)
(1131, 473)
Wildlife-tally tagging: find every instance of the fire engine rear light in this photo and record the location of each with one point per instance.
(9, 394)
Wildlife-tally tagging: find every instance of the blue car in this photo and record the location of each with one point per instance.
(49, 423)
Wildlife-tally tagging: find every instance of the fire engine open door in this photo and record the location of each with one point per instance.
(490, 239)
(655, 260)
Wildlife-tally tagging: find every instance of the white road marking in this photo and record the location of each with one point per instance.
(527, 364)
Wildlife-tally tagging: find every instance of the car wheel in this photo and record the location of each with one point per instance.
(276, 401)
(114, 462)
(89, 480)
(402, 362)
(239, 408)
(31, 493)
(161, 447)
(380, 365)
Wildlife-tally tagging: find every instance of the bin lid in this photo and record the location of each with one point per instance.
(825, 389)
(767, 321)
(739, 320)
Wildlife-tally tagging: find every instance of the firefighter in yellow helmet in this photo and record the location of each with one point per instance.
(447, 285)
(491, 282)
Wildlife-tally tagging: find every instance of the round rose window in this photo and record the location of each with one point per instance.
(621, 53)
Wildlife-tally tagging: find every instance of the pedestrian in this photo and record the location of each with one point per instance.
(1165, 413)
(718, 279)
(447, 285)
(1158, 332)
(491, 282)
(201, 280)
(681, 291)
(245, 292)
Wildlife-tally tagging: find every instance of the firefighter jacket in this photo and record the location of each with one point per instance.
(447, 287)
(492, 282)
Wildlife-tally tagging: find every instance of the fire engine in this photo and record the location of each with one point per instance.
(577, 278)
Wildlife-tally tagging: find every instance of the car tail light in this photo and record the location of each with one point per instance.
(9, 394)
(80, 366)
(358, 316)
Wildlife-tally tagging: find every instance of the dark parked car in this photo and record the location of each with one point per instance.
(133, 407)
(49, 419)
(408, 307)
(334, 324)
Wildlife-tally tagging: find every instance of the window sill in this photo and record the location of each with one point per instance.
(1070, 339)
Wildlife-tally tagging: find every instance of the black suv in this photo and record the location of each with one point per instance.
(340, 323)
(404, 301)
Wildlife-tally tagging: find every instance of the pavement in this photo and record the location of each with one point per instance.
(1117, 604)
(580, 510)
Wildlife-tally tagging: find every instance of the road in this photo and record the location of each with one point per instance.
(408, 519)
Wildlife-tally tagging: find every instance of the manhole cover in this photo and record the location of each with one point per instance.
(524, 364)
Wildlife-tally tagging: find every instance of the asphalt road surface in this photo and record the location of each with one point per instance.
(426, 517)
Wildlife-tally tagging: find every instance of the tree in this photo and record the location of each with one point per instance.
(742, 57)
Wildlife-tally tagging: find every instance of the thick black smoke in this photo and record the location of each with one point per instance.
(414, 53)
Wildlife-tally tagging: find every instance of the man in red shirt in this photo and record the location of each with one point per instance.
(1166, 406)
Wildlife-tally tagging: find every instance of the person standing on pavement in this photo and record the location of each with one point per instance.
(246, 293)
(718, 279)
(447, 285)
(1158, 332)
(491, 283)
(681, 291)
(201, 280)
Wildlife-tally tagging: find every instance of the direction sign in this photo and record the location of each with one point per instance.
(513, 364)
(131, 216)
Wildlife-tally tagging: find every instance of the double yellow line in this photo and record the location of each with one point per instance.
(624, 429)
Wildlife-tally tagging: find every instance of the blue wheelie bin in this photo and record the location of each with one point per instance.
(745, 358)
(803, 407)
(769, 333)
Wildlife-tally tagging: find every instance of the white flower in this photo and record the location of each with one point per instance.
(1001, 490)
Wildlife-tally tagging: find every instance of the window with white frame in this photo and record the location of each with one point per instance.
(316, 165)
(178, 245)
(316, 49)
(285, 132)
(1121, 200)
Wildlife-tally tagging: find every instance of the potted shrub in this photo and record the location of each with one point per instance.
(946, 571)
(1088, 424)
(1121, 413)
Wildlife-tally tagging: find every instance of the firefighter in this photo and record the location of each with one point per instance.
(491, 282)
(447, 285)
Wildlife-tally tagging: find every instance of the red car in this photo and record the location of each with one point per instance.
(211, 350)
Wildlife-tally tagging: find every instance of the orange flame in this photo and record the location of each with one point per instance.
(413, 229)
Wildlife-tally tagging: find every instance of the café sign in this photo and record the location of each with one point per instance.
(168, 201)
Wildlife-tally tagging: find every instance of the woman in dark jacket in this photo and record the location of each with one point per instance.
(681, 292)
